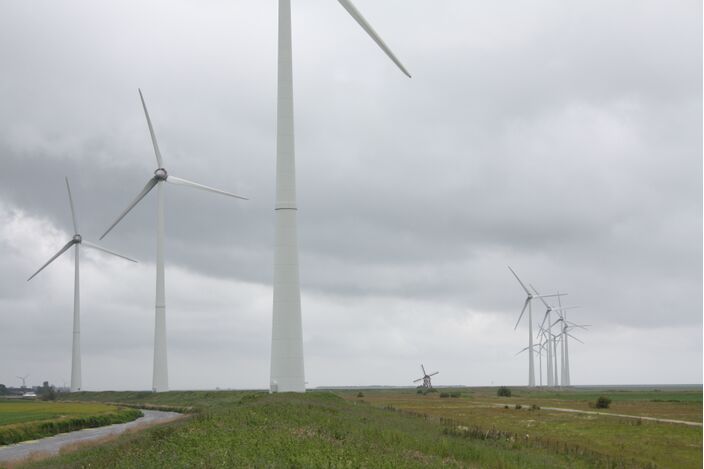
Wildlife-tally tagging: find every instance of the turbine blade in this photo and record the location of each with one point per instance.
(558, 320)
(433, 374)
(151, 131)
(416, 380)
(147, 187)
(525, 305)
(423, 368)
(539, 296)
(542, 324)
(558, 295)
(73, 210)
(352, 10)
(99, 248)
(61, 251)
(184, 182)
(519, 281)
(575, 338)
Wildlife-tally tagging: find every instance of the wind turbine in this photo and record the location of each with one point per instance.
(426, 378)
(160, 380)
(565, 331)
(77, 241)
(528, 304)
(287, 369)
(24, 380)
(552, 355)
(565, 327)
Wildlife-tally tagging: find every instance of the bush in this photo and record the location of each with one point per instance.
(603, 402)
(503, 391)
(455, 394)
(47, 392)
(360, 394)
(444, 394)
(534, 407)
(519, 406)
(419, 391)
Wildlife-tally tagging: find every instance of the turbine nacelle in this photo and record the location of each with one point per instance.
(77, 239)
(161, 174)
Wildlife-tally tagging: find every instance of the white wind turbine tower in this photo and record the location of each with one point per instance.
(528, 304)
(565, 327)
(552, 376)
(287, 370)
(76, 241)
(160, 380)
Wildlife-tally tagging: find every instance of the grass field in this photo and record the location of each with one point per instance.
(643, 442)
(391, 429)
(22, 420)
(21, 411)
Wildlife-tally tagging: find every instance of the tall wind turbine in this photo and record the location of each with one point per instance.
(77, 240)
(565, 327)
(552, 376)
(287, 370)
(160, 380)
(528, 304)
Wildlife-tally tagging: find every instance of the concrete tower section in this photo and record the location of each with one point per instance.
(287, 371)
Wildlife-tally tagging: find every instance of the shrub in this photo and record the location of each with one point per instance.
(519, 406)
(503, 391)
(603, 402)
(360, 394)
(534, 407)
(444, 394)
(455, 394)
(419, 391)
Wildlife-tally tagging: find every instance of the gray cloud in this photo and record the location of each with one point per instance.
(565, 140)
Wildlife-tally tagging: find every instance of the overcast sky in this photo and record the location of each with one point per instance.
(562, 138)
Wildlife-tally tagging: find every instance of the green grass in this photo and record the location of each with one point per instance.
(315, 430)
(19, 411)
(642, 442)
(30, 420)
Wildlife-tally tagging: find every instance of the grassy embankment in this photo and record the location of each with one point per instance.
(22, 420)
(639, 441)
(318, 429)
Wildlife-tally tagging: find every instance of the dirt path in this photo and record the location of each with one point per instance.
(591, 412)
(51, 446)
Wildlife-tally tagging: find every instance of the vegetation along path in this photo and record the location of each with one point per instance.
(640, 417)
(51, 446)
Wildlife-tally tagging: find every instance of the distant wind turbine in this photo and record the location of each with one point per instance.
(528, 304)
(552, 376)
(23, 379)
(77, 241)
(287, 369)
(565, 327)
(160, 381)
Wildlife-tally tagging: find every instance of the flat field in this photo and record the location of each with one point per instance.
(640, 442)
(392, 429)
(23, 411)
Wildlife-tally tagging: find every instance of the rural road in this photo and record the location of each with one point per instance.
(52, 445)
(591, 412)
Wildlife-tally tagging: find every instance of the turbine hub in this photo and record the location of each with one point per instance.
(77, 238)
(161, 174)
